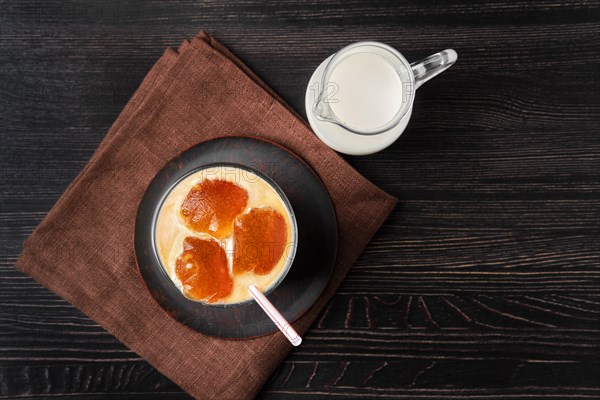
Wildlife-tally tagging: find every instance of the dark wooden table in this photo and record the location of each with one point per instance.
(484, 282)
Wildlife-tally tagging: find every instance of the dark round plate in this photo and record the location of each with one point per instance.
(316, 247)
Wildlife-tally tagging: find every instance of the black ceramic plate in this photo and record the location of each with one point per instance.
(315, 253)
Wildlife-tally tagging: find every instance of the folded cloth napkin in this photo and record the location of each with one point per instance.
(83, 249)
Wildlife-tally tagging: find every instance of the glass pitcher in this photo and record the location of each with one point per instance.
(410, 77)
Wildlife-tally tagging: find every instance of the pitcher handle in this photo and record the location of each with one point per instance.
(432, 66)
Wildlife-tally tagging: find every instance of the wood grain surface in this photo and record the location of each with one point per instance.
(483, 284)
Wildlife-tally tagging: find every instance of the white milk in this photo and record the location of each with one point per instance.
(369, 91)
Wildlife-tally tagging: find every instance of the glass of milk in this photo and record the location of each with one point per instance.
(368, 88)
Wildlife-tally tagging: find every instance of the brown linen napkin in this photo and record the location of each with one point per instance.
(83, 249)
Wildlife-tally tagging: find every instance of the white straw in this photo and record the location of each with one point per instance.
(284, 326)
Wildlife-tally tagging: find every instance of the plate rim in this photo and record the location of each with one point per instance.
(153, 181)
